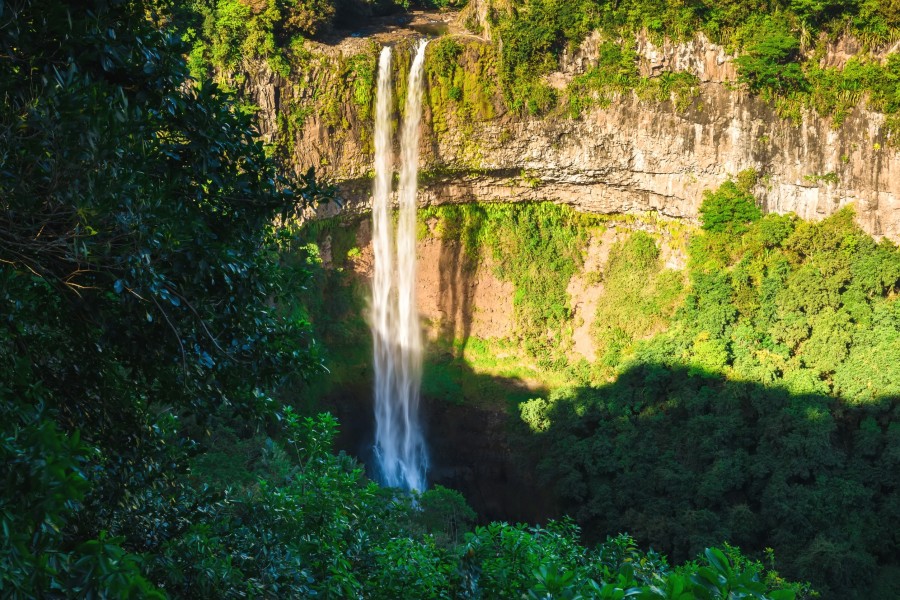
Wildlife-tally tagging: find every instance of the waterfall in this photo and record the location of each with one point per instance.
(399, 443)
(382, 279)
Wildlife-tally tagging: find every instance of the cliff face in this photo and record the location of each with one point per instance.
(633, 155)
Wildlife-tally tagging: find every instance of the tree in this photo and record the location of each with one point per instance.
(729, 209)
(308, 17)
(769, 62)
(138, 277)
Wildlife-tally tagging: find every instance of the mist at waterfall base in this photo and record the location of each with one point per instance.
(400, 453)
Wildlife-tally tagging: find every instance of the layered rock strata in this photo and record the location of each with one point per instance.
(631, 156)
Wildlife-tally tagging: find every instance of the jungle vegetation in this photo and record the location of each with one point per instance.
(148, 331)
(750, 398)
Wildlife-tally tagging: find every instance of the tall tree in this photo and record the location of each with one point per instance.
(138, 281)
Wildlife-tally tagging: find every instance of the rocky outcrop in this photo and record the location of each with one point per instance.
(633, 155)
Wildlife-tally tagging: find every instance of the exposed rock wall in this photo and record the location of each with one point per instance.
(636, 156)
(631, 156)
(458, 296)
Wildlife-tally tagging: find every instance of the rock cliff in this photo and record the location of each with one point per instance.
(633, 155)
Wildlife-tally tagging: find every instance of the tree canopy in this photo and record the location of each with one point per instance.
(138, 275)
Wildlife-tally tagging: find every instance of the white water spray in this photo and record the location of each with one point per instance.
(399, 444)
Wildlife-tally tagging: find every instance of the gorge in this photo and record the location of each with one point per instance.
(637, 166)
(577, 299)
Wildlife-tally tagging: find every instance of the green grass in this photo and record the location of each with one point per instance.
(488, 373)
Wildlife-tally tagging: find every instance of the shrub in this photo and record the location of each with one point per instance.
(770, 60)
(728, 209)
(308, 16)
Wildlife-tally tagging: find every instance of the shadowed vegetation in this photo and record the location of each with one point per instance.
(688, 459)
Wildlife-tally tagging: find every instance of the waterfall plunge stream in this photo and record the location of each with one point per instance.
(399, 443)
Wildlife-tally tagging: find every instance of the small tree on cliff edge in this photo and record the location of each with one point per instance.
(731, 207)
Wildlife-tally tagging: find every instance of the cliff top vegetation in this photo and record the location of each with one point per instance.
(780, 52)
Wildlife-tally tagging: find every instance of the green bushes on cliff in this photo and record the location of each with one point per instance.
(639, 297)
(765, 415)
(223, 33)
(730, 208)
(534, 34)
(767, 36)
(769, 61)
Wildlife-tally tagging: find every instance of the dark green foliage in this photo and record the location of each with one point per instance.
(817, 12)
(769, 61)
(445, 515)
(313, 525)
(43, 485)
(532, 37)
(711, 460)
(136, 288)
(504, 561)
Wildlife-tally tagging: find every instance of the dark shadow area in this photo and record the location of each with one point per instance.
(684, 460)
(678, 459)
(359, 19)
(472, 432)
(474, 437)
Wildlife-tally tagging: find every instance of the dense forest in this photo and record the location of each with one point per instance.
(167, 322)
(751, 397)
